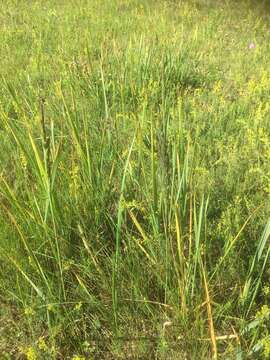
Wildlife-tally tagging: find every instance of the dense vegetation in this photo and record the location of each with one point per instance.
(135, 179)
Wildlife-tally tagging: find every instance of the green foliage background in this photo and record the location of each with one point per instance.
(134, 183)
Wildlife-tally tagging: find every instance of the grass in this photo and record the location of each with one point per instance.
(134, 180)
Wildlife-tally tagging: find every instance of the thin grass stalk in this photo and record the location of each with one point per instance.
(118, 238)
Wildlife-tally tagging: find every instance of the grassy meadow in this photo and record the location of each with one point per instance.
(135, 179)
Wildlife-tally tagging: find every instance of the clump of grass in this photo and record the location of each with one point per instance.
(135, 168)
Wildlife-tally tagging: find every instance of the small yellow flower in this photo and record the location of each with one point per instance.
(42, 345)
(264, 312)
(78, 357)
(266, 290)
(28, 311)
(78, 306)
(23, 161)
(31, 353)
(266, 347)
